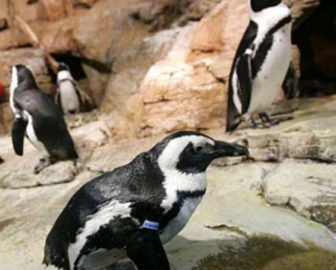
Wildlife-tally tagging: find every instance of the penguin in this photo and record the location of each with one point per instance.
(260, 64)
(135, 209)
(68, 97)
(37, 117)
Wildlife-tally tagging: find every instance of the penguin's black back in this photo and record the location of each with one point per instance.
(137, 183)
(48, 122)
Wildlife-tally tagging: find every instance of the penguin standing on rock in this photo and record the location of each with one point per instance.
(37, 117)
(260, 65)
(135, 209)
(67, 97)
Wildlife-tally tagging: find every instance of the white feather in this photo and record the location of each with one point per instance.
(13, 86)
(178, 223)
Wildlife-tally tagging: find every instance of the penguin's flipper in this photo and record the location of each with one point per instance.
(244, 71)
(18, 132)
(147, 252)
(290, 83)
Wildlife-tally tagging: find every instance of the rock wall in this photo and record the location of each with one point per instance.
(187, 89)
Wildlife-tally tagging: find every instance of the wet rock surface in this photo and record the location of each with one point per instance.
(277, 211)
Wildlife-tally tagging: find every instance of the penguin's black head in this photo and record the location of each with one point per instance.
(259, 5)
(192, 152)
(63, 66)
(22, 75)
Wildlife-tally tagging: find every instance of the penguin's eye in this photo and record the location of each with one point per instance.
(199, 149)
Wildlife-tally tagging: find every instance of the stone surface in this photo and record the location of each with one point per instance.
(181, 91)
(131, 66)
(31, 57)
(305, 186)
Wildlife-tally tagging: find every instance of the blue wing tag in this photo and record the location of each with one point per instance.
(151, 225)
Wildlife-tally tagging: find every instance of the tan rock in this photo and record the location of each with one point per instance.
(5, 118)
(34, 58)
(131, 66)
(186, 90)
(190, 98)
(29, 12)
(197, 9)
(54, 9)
(208, 36)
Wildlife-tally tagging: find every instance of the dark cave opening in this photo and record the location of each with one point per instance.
(316, 39)
(74, 64)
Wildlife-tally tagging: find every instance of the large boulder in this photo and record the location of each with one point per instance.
(187, 89)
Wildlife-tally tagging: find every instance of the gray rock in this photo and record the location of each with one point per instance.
(307, 187)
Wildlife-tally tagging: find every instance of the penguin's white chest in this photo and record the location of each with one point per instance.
(269, 79)
(68, 97)
(178, 223)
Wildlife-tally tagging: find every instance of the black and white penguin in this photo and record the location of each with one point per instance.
(37, 117)
(260, 64)
(68, 96)
(135, 209)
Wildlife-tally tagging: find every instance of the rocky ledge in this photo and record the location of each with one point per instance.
(276, 212)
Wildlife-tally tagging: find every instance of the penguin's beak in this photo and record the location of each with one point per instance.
(224, 149)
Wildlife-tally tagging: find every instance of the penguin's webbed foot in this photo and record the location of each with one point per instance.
(42, 164)
(253, 124)
(265, 119)
(273, 122)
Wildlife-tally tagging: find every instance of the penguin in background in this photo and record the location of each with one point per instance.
(68, 97)
(135, 209)
(260, 64)
(38, 118)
